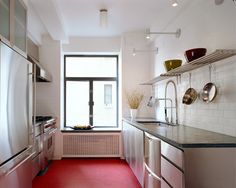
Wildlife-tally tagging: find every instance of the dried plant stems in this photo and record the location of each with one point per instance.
(134, 99)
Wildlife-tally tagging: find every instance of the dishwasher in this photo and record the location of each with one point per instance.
(152, 161)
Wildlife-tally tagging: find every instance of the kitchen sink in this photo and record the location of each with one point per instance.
(155, 122)
(147, 121)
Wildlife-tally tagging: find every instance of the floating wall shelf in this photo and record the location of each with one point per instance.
(217, 55)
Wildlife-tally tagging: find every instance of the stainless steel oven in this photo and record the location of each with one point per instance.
(38, 148)
(47, 139)
(48, 146)
(44, 143)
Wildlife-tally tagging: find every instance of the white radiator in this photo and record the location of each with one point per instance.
(92, 144)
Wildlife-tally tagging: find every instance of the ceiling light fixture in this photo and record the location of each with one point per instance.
(219, 2)
(174, 3)
(135, 51)
(103, 18)
(149, 33)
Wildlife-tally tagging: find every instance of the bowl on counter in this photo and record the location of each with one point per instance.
(194, 53)
(172, 64)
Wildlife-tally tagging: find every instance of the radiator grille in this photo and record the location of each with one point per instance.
(91, 145)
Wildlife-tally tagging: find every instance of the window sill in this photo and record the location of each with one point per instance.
(109, 129)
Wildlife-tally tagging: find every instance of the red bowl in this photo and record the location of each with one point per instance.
(195, 53)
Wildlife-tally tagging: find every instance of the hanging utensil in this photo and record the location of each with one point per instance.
(190, 94)
(209, 90)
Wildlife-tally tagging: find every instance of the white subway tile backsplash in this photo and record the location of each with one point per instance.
(220, 114)
(230, 114)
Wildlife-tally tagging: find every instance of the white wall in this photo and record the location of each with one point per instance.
(136, 70)
(92, 45)
(206, 25)
(48, 94)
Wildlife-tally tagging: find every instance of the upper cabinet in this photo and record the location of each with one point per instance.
(13, 24)
(20, 25)
(5, 19)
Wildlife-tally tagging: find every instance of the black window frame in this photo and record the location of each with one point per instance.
(91, 80)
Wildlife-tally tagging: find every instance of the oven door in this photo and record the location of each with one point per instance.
(48, 146)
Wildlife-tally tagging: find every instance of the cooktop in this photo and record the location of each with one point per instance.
(43, 118)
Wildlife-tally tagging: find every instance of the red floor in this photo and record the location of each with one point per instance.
(87, 173)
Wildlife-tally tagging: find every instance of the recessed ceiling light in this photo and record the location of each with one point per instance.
(174, 3)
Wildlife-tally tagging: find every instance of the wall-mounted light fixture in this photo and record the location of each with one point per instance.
(149, 33)
(143, 51)
(103, 18)
(174, 3)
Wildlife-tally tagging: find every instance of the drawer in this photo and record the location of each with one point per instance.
(164, 184)
(171, 174)
(150, 181)
(152, 153)
(173, 154)
(35, 166)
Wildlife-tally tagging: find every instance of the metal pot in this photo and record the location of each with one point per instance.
(209, 92)
(190, 96)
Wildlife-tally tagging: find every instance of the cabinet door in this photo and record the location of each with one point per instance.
(125, 134)
(5, 19)
(20, 25)
(133, 149)
(138, 155)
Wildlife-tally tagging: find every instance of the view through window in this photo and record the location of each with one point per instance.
(91, 90)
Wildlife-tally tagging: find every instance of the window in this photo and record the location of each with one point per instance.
(91, 90)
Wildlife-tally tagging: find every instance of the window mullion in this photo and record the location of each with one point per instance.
(91, 103)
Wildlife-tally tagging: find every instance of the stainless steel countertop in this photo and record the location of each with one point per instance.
(184, 136)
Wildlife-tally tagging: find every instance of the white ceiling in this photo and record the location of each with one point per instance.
(66, 18)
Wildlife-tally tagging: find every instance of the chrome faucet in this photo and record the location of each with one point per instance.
(176, 104)
(171, 107)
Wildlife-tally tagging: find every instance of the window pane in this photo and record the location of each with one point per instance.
(107, 94)
(104, 115)
(77, 98)
(91, 66)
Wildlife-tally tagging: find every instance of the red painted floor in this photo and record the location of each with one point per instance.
(87, 173)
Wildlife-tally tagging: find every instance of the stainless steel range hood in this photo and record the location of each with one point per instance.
(41, 74)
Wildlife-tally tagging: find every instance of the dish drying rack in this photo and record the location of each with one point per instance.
(215, 56)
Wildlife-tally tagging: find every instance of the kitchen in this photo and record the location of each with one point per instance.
(208, 24)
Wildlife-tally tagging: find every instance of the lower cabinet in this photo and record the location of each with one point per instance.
(164, 184)
(133, 150)
(150, 181)
(181, 168)
(171, 174)
(172, 168)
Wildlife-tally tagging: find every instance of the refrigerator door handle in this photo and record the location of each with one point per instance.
(18, 165)
(151, 173)
(29, 98)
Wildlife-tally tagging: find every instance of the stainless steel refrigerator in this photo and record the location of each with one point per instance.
(15, 119)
